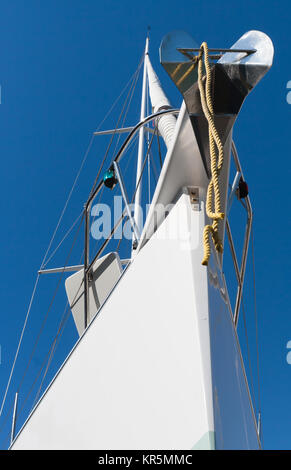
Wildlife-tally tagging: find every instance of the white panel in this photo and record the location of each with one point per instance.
(183, 166)
(136, 379)
(105, 274)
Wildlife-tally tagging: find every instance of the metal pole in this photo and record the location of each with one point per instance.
(127, 142)
(233, 190)
(86, 264)
(137, 201)
(14, 418)
(243, 269)
(136, 233)
(246, 240)
(64, 269)
(232, 249)
(259, 427)
(100, 185)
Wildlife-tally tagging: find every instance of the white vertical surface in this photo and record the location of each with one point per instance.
(157, 370)
(137, 380)
(159, 100)
(137, 200)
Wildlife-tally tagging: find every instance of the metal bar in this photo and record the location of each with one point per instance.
(125, 198)
(116, 226)
(238, 167)
(246, 240)
(193, 49)
(126, 143)
(233, 190)
(121, 131)
(259, 427)
(102, 248)
(235, 157)
(232, 249)
(61, 270)
(86, 264)
(242, 270)
(137, 200)
(186, 52)
(114, 131)
(14, 418)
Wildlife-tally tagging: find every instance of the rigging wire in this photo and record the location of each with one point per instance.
(249, 355)
(129, 102)
(37, 376)
(134, 79)
(19, 344)
(140, 177)
(122, 216)
(125, 109)
(64, 318)
(83, 162)
(63, 239)
(51, 351)
(128, 98)
(155, 171)
(147, 143)
(66, 312)
(257, 336)
(45, 261)
(52, 239)
(82, 255)
(132, 146)
(51, 303)
(35, 344)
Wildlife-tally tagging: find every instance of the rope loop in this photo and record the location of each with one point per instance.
(213, 203)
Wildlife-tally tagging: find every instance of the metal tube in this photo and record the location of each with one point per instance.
(242, 270)
(137, 200)
(100, 251)
(113, 131)
(126, 143)
(259, 427)
(14, 418)
(121, 131)
(86, 264)
(233, 190)
(187, 49)
(232, 249)
(61, 270)
(246, 240)
(136, 233)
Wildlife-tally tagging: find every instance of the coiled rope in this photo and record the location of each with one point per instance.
(216, 161)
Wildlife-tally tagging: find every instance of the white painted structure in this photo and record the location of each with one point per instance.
(166, 124)
(107, 271)
(160, 366)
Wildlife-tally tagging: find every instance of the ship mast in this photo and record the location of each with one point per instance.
(137, 202)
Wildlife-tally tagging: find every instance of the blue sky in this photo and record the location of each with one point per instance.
(62, 65)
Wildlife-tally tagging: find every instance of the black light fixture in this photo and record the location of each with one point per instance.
(109, 179)
(242, 190)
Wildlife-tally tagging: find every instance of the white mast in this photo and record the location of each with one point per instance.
(166, 124)
(137, 201)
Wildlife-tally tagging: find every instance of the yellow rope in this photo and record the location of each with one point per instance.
(216, 162)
